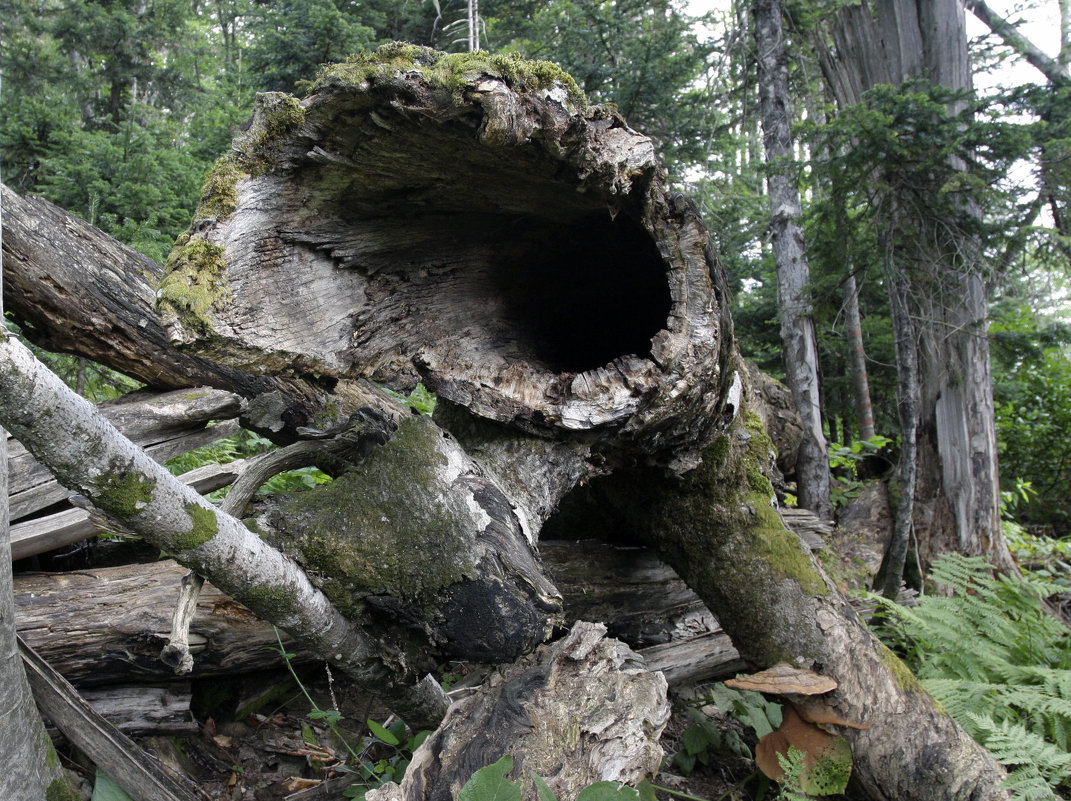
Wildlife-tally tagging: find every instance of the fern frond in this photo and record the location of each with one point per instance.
(1012, 744)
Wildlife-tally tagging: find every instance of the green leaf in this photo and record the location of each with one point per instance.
(543, 790)
(382, 734)
(329, 716)
(608, 791)
(490, 783)
(105, 789)
(695, 739)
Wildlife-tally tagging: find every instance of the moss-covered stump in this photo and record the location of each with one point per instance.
(468, 219)
(423, 547)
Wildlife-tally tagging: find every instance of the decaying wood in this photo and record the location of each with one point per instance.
(105, 626)
(515, 249)
(520, 253)
(578, 711)
(121, 480)
(41, 534)
(143, 709)
(141, 776)
(165, 425)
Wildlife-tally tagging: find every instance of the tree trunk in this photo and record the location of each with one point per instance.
(864, 412)
(92, 457)
(958, 500)
(105, 626)
(715, 526)
(164, 425)
(798, 338)
(29, 767)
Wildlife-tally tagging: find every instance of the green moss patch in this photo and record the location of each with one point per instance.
(219, 193)
(204, 525)
(382, 528)
(451, 72)
(123, 494)
(194, 282)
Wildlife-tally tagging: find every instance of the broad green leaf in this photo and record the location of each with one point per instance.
(543, 789)
(379, 732)
(490, 783)
(608, 791)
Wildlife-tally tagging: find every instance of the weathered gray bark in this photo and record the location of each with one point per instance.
(714, 526)
(165, 425)
(864, 412)
(105, 626)
(891, 572)
(578, 711)
(95, 459)
(74, 289)
(29, 767)
(957, 502)
(798, 338)
(525, 261)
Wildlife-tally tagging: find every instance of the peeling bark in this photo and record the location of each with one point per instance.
(578, 711)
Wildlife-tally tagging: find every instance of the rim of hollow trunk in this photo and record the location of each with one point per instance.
(464, 219)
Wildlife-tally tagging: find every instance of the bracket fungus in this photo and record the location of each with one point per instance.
(827, 763)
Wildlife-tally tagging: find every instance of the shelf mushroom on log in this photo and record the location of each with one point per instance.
(470, 221)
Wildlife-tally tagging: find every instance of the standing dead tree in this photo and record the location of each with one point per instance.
(471, 222)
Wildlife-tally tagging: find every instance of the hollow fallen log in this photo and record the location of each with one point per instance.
(581, 710)
(469, 221)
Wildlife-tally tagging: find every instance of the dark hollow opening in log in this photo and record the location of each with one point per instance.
(583, 294)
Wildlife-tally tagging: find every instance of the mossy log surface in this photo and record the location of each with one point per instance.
(717, 527)
(467, 220)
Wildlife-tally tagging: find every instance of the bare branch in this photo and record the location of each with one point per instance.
(1052, 69)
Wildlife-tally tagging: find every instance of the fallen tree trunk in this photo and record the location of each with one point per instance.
(469, 221)
(165, 425)
(106, 626)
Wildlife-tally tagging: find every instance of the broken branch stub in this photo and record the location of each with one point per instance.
(469, 220)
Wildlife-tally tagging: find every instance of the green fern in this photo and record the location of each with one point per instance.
(999, 663)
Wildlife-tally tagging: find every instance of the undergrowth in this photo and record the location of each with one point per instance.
(999, 662)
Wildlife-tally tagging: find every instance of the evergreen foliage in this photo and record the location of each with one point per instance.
(1000, 664)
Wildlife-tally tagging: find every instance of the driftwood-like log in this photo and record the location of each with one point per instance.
(138, 773)
(578, 711)
(470, 220)
(105, 626)
(144, 709)
(165, 425)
